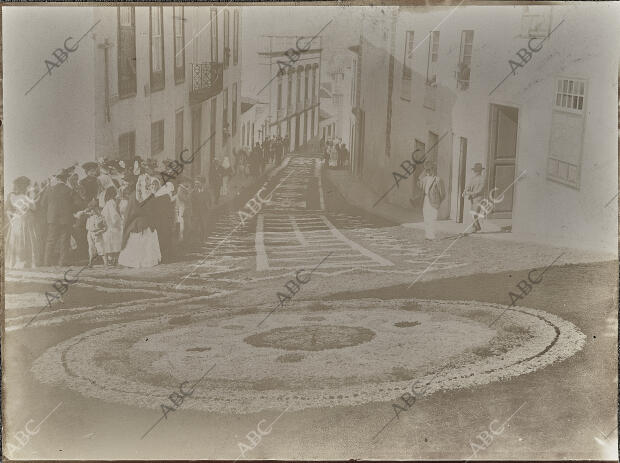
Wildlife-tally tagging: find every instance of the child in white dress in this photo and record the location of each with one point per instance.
(113, 236)
(95, 225)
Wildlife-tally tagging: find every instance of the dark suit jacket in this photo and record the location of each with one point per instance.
(60, 202)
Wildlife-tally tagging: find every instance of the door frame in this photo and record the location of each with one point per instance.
(490, 158)
(461, 180)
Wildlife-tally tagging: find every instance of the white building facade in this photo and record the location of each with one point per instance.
(168, 79)
(546, 135)
(293, 92)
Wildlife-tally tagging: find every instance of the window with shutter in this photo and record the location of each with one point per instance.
(433, 56)
(126, 52)
(236, 37)
(127, 145)
(405, 92)
(214, 44)
(464, 64)
(157, 137)
(567, 126)
(156, 23)
(179, 44)
(226, 38)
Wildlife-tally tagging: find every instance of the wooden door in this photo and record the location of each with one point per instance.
(503, 156)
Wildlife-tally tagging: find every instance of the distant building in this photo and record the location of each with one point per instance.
(253, 121)
(293, 91)
(168, 79)
(340, 72)
(420, 86)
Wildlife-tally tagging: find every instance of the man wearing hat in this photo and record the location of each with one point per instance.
(59, 202)
(474, 191)
(90, 182)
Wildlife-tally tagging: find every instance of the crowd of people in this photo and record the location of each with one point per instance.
(112, 212)
(336, 154)
(119, 212)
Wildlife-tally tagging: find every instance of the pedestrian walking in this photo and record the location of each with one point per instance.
(434, 194)
(474, 191)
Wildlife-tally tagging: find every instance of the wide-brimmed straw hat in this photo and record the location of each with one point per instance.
(477, 168)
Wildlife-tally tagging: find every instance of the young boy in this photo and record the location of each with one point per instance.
(95, 225)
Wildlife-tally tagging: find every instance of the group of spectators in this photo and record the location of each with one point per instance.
(121, 214)
(335, 153)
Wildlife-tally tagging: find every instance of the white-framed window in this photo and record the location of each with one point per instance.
(570, 95)
(567, 126)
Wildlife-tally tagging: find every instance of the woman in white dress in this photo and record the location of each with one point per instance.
(226, 173)
(113, 236)
(140, 242)
(333, 155)
(428, 180)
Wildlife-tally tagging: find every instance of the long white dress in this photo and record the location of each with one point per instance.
(142, 247)
(113, 236)
(429, 212)
(142, 250)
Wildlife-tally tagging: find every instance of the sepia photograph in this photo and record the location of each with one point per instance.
(310, 231)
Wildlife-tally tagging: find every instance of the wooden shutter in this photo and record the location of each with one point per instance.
(126, 52)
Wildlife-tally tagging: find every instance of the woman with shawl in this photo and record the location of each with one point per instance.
(140, 243)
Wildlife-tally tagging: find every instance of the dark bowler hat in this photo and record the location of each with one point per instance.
(477, 168)
(90, 165)
(21, 182)
(63, 175)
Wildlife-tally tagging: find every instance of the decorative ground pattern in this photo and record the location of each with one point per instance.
(309, 355)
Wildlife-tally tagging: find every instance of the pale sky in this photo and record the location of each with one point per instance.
(53, 125)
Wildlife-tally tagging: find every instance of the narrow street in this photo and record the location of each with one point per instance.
(328, 363)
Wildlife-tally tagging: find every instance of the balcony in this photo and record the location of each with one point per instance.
(207, 81)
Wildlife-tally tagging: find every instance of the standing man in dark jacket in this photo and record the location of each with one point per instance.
(60, 202)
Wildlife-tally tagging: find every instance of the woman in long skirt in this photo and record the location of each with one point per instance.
(21, 243)
(430, 211)
(140, 247)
